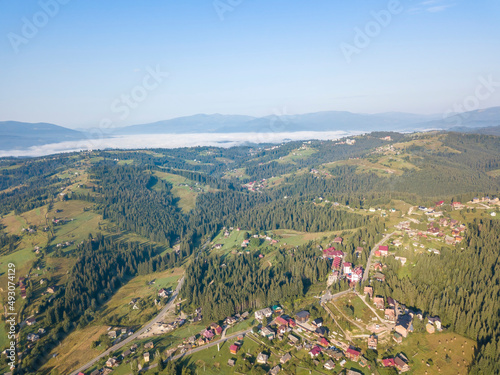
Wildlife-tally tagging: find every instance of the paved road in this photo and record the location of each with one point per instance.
(157, 319)
(375, 248)
(328, 296)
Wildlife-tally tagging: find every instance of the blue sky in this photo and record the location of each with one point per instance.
(253, 57)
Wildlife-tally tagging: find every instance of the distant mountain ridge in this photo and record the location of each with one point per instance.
(318, 121)
(21, 135)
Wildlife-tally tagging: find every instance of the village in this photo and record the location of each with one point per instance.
(336, 339)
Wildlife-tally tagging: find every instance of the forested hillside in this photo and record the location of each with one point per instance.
(258, 218)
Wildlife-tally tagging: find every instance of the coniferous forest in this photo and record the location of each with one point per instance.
(166, 210)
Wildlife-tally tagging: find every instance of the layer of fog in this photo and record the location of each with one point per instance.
(147, 141)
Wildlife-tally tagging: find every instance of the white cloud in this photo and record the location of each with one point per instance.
(431, 6)
(147, 141)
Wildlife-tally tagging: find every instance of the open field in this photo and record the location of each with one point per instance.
(420, 347)
(215, 362)
(299, 154)
(432, 144)
(495, 173)
(366, 166)
(296, 238)
(75, 350)
(239, 173)
(184, 189)
(119, 307)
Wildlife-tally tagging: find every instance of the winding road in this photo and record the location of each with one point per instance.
(375, 248)
(129, 339)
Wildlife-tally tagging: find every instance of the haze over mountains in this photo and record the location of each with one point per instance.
(18, 135)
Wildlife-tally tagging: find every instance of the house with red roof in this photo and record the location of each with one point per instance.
(337, 262)
(338, 253)
(233, 349)
(314, 352)
(329, 253)
(281, 321)
(378, 266)
(384, 250)
(388, 362)
(353, 354)
(357, 274)
(208, 334)
(324, 342)
(291, 322)
(338, 240)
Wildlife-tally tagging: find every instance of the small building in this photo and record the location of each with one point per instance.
(324, 342)
(233, 349)
(149, 345)
(347, 268)
(321, 331)
(163, 293)
(372, 342)
(230, 362)
(264, 313)
(52, 289)
(397, 338)
(285, 358)
(275, 370)
(400, 364)
(315, 351)
(294, 340)
(302, 316)
(268, 332)
(329, 365)
(32, 337)
(282, 330)
(146, 357)
(277, 309)
(318, 322)
(379, 302)
(281, 321)
(384, 250)
(368, 290)
(388, 362)
(436, 322)
(404, 325)
(262, 358)
(353, 354)
(111, 362)
(390, 315)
